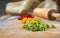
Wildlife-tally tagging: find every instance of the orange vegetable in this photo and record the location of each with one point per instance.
(27, 20)
(23, 21)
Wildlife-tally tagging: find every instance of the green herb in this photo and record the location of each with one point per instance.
(53, 26)
(37, 26)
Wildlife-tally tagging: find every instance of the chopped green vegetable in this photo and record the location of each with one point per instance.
(48, 26)
(37, 26)
(53, 26)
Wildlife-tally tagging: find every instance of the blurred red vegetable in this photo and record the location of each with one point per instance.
(27, 15)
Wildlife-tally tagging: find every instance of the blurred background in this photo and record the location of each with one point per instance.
(4, 2)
